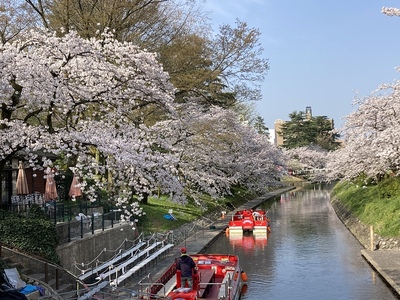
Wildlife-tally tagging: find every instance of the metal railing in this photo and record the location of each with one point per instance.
(82, 225)
(180, 234)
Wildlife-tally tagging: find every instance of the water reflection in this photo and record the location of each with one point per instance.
(308, 255)
(247, 241)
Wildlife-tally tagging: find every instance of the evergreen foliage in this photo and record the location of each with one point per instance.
(34, 233)
(259, 125)
(304, 130)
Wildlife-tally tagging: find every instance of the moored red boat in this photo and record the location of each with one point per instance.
(218, 276)
(249, 220)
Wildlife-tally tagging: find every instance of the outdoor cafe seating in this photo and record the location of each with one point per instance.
(36, 198)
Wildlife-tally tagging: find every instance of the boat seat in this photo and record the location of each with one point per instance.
(205, 276)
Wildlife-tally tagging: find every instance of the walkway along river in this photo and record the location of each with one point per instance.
(309, 255)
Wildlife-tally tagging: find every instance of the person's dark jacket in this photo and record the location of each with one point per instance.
(186, 265)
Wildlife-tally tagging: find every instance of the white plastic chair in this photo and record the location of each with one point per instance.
(85, 219)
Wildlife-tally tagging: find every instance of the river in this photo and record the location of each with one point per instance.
(309, 253)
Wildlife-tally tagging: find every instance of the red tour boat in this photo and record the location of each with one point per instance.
(256, 221)
(218, 276)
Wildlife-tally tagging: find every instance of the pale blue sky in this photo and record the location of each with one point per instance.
(320, 52)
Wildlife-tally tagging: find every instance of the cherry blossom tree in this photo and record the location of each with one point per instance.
(85, 100)
(16, 16)
(74, 97)
(371, 138)
(312, 160)
(391, 11)
(216, 151)
(223, 67)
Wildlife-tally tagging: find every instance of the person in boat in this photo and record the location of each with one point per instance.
(256, 215)
(187, 267)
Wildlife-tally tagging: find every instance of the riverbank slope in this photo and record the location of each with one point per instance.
(382, 253)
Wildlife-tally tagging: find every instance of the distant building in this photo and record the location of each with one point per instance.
(272, 136)
(278, 135)
(308, 112)
(278, 140)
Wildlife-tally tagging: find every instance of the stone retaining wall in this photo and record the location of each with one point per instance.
(361, 231)
(87, 249)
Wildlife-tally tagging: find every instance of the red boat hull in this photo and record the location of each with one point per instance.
(249, 220)
(218, 276)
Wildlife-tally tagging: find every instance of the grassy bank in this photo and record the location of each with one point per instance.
(373, 204)
(156, 208)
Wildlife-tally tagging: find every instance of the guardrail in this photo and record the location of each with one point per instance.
(82, 225)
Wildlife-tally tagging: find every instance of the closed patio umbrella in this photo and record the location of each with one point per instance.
(50, 191)
(75, 189)
(22, 182)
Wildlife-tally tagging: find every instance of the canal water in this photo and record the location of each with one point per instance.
(309, 253)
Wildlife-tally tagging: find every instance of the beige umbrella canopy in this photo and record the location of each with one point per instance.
(22, 182)
(75, 189)
(50, 190)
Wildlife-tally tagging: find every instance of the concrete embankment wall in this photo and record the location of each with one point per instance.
(87, 249)
(361, 231)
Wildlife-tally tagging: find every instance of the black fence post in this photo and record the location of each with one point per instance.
(62, 213)
(92, 223)
(69, 230)
(55, 211)
(81, 227)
